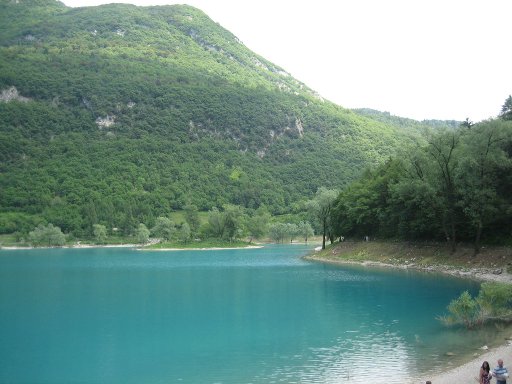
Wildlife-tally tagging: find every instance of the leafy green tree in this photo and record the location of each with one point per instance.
(494, 302)
(47, 235)
(278, 232)
(443, 151)
(320, 208)
(233, 219)
(257, 224)
(465, 310)
(164, 228)
(184, 233)
(305, 230)
(142, 234)
(192, 218)
(292, 231)
(506, 109)
(476, 177)
(216, 223)
(100, 233)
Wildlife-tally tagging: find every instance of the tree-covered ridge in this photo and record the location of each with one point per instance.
(454, 187)
(122, 114)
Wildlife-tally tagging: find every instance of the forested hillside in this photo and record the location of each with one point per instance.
(120, 114)
(455, 187)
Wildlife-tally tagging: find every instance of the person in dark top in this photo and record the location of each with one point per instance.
(485, 374)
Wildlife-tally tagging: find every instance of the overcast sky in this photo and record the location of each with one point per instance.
(423, 59)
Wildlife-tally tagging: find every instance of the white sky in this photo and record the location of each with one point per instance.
(423, 59)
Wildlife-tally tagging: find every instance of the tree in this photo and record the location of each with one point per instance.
(47, 235)
(142, 234)
(233, 219)
(216, 223)
(184, 233)
(506, 109)
(278, 232)
(257, 224)
(320, 208)
(100, 233)
(442, 148)
(305, 230)
(164, 228)
(476, 177)
(292, 231)
(192, 218)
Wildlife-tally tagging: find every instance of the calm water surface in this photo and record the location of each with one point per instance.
(233, 316)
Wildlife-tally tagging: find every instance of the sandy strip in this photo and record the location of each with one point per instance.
(468, 373)
(198, 249)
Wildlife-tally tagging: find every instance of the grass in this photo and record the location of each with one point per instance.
(422, 254)
(208, 243)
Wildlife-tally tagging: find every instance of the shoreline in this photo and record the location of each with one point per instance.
(137, 247)
(479, 274)
(467, 373)
(199, 249)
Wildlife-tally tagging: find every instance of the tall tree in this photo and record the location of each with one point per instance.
(476, 176)
(142, 234)
(192, 218)
(164, 228)
(320, 208)
(506, 109)
(442, 149)
(305, 230)
(257, 224)
(100, 233)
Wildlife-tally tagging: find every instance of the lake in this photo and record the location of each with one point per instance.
(118, 315)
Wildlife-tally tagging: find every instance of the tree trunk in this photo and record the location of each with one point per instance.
(454, 233)
(324, 230)
(477, 237)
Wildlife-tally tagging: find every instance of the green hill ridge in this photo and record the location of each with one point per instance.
(119, 114)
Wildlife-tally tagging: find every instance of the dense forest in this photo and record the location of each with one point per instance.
(454, 187)
(117, 115)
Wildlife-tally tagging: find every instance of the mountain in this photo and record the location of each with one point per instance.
(118, 114)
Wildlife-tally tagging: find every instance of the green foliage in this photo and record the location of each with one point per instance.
(126, 114)
(47, 235)
(100, 233)
(164, 228)
(142, 234)
(183, 233)
(321, 207)
(506, 109)
(278, 232)
(257, 225)
(192, 219)
(464, 310)
(455, 187)
(305, 230)
(494, 302)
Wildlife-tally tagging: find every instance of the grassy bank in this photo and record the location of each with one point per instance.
(209, 243)
(419, 255)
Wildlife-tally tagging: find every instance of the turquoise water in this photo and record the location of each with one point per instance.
(110, 315)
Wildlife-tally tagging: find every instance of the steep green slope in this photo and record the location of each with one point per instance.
(118, 114)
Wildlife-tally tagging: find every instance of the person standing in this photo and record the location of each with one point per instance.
(500, 372)
(485, 374)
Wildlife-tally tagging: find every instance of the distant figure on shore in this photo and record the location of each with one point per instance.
(500, 373)
(485, 374)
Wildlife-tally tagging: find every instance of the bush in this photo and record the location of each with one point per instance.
(494, 302)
